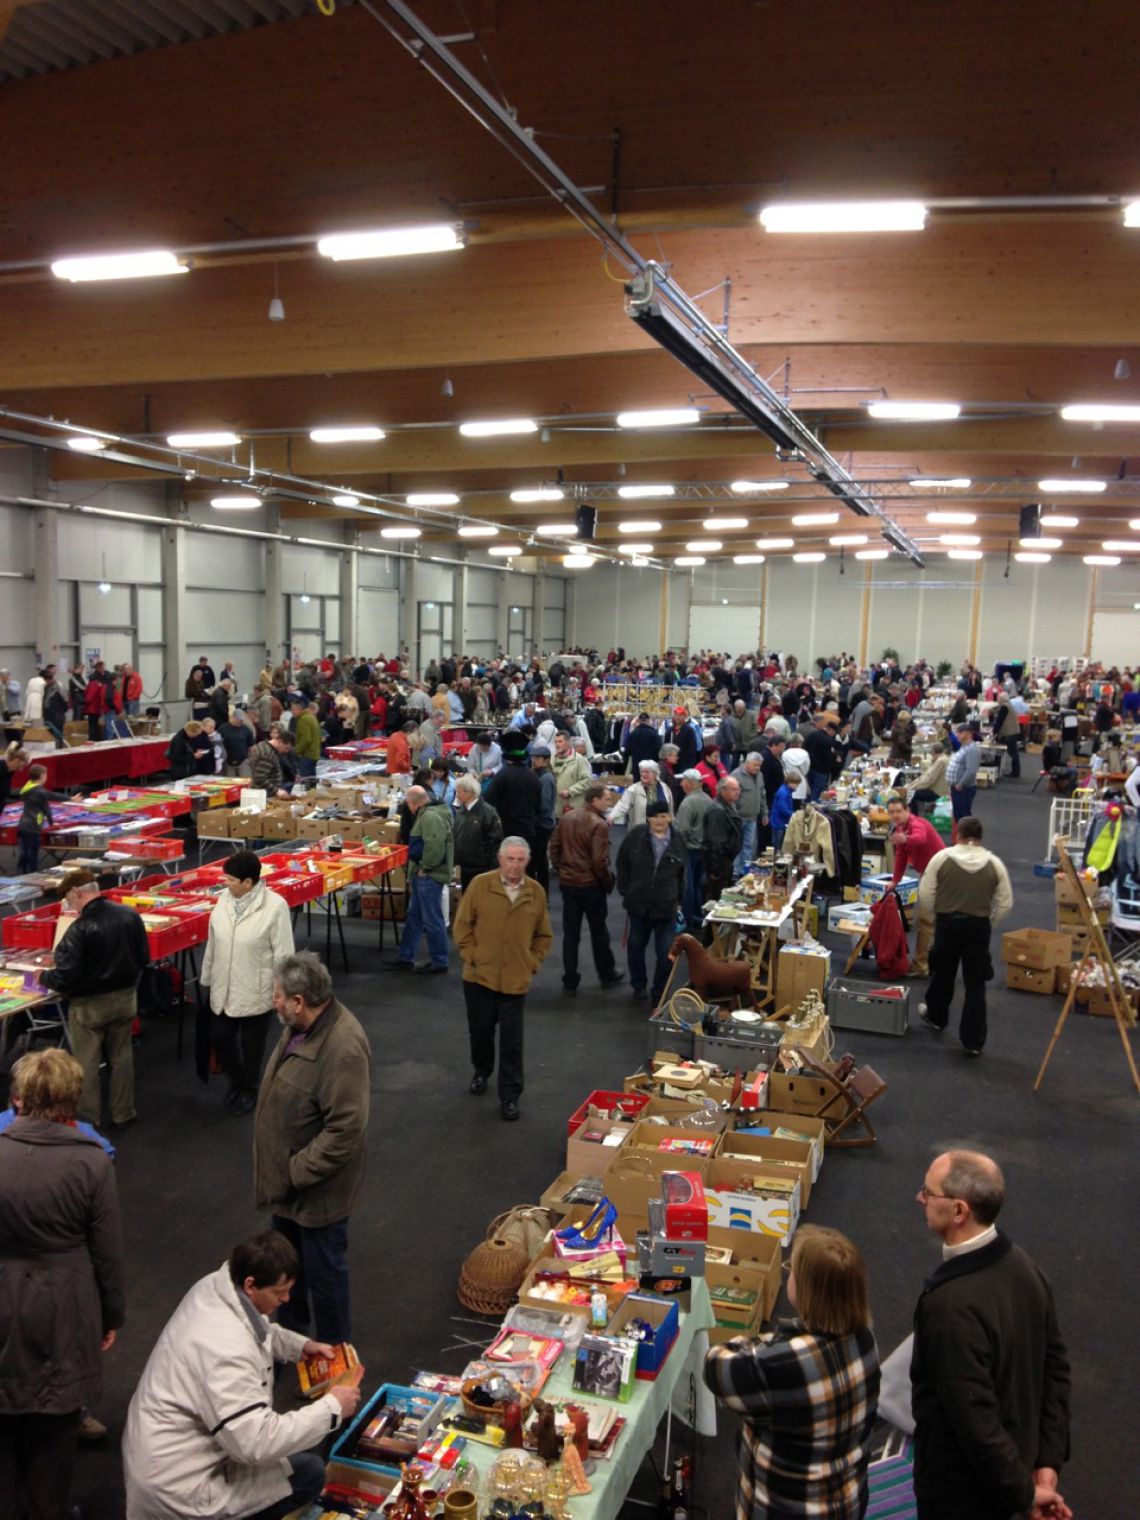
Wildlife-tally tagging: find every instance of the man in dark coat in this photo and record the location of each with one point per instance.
(515, 791)
(989, 1371)
(477, 831)
(723, 836)
(644, 743)
(651, 877)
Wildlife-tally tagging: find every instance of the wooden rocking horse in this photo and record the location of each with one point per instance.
(713, 980)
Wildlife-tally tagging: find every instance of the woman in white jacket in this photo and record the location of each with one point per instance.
(250, 931)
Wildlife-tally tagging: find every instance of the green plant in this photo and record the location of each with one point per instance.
(891, 654)
(943, 668)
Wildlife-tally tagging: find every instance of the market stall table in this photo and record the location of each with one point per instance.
(107, 760)
(762, 926)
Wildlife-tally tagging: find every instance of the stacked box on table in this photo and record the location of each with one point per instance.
(800, 970)
(873, 888)
(670, 1148)
(1036, 949)
(873, 1007)
(755, 1263)
(665, 1319)
(214, 823)
(791, 1156)
(734, 1205)
(813, 1132)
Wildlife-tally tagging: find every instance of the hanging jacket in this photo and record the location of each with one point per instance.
(810, 827)
(889, 936)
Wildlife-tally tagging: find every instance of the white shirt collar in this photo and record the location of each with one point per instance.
(975, 1243)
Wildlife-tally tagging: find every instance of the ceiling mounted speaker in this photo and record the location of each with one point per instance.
(1029, 521)
(585, 520)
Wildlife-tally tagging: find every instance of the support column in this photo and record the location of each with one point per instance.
(976, 612)
(350, 598)
(569, 618)
(538, 609)
(663, 614)
(274, 630)
(763, 608)
(865, 613)
(174, 665)
(409, 612)
(45, 564)
(681, 599)
(1094, 586)
(460, 588)
(503, 617)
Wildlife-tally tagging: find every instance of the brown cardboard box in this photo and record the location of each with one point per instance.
(1029, 979)
(757, 1253)
(370, 905)
(277, 824)
(647, 1138)
(795, 1155)
(799, 1094)
(1063, 975)
(316, 828)
(591, 1158)
(1038, 949)
(1070, 917)
(814, 1131)
(554, 1196)
(798, 974)
(243, 825)
(1065, 893)
(214, 823)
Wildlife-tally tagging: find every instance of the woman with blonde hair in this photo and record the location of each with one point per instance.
(61, 1282)
(808, 1391)
(14, 759)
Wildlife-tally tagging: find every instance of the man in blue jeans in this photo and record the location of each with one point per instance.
(962, 773)
(431, 857)
(651, 877)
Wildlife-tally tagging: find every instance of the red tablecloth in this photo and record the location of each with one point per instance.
(88, 763)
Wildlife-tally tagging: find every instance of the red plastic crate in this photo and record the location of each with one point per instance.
(296, 889)
(629, 1103)
(34, 930)
(148, 849)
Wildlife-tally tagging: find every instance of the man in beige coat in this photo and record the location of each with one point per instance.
(572, 774)
(310, 1139)
(502, 932)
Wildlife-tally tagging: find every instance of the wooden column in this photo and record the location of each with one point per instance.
(865, 613)
(975, 611)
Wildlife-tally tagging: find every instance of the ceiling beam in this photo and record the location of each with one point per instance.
(8, 9)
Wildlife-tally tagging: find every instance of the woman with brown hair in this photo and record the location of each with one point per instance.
(61, 1283)
(808, 1391)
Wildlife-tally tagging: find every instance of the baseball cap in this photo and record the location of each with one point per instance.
(540, 749)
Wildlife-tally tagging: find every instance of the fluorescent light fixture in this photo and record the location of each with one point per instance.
(478, 530)
(390, 243)
(360, 434)
(689, 561)
(400, 532)
(119, 266)
(499, 427)
(544, 493)
(747, 559)
(635, 548)
(1095, 412)
(699, 545)
(246, 503)
(936, 483)
(86, 444)
(558, 530)
(815, 519)
(951, 519)
(346, 499)
(847, 540)
(1040, 543)
(751, 487)
(844, 216)
(1132, 214)
(963, 554)
(1101, 559)
(712, 523)
(634, 493)
(432, 499)
(639, 527)
(636, 560)
(1054, 520)
(504, 551)
(215, 440)
(105, 587)
(1121, 546)
(873, 554)
(1075, 487)
(1032, 558)
(812, 558)
(775, 543)
(960, 540)
(914, 411)
(677, 416)
(578, 561)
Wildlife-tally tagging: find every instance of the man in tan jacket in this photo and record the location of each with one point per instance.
(571, 774)
(502, 932)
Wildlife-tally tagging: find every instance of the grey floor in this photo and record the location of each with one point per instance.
(442, 1164)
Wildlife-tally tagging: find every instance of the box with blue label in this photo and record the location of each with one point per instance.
(654, 1323)
(874, 887)
(749, 1195)
(388, 1430)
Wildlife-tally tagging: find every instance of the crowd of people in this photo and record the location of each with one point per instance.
(702, 796)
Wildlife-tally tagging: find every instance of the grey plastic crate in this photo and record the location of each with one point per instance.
(665, 1035)
(857, 1005)
(734, 1054)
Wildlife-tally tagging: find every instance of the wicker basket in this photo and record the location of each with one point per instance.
(490, 1412)
(489, 1279)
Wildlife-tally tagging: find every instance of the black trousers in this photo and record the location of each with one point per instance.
(539, 866)
(486, 1011)
(589, 903)
(921, 797)
(240, 1044)
(960, 939)
(1012, 750)
(37, 1455)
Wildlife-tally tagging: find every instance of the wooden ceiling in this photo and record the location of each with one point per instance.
(319, 125)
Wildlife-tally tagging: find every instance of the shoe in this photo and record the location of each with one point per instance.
(509, 1109)
(91, 1429)
(612, 981)
(917, 971)
(924, 1018)
(569, 992)
(117, 1126)
(970, 1051)
(432, 970)
(478, 1085)
(397, 963)
(590, 1235)
(639, 994)
(231, 1099)
(245, 1103)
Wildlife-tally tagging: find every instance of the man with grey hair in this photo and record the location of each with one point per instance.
(630, 806)
(310, 1139)
(989, 1371)
(431, 736)
(691, 833)
(752, 806)
(724, 833)
(431, 859)
(502, 931)
(477, 831)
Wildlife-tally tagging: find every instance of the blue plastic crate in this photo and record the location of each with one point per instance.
(387, 1394)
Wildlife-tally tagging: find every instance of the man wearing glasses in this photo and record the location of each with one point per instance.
(989, 1371)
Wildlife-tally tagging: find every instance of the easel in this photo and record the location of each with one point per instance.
(1098, 954)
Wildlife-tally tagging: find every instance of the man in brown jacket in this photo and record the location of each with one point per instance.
(580, 855)
(310, 1139)
(502, 932)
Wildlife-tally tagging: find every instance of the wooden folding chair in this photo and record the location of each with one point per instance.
(847, 1099)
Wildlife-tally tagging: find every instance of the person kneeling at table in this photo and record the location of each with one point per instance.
(202, 1437)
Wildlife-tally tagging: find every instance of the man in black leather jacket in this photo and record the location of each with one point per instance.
(97, 967)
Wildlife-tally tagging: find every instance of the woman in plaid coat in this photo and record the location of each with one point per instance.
(808, 1392)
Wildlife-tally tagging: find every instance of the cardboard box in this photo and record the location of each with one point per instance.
(874, 887)
(633, 1180)
(317, 828)
(733, 1206)
(662, 1314)
(647, 1138)
(1038, 949)
(755, 1258)
(243, 825)
(277, 825)
(214, 823)
(800, 969)
(553, 1199)
(812, 1131)
(1065, 894)
(593, 1158)
(1029, 979)
(793, 1156)
(799, 1094)
(1071, 917)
